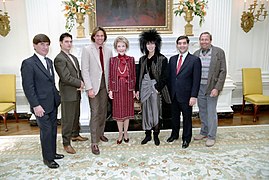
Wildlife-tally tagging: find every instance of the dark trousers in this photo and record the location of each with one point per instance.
(98, 106)
(48, 134)
(177, 108)
(70, 111)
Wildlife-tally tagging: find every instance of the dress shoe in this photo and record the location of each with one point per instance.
(69, 149)
(95, 149)
(119, 141)
(103, 138)
(126, 140)
(171, 139)
(185, 145)
(51, 164)
(79, 138)
(58, 156)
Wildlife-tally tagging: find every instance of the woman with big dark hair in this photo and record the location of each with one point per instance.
(151, 84)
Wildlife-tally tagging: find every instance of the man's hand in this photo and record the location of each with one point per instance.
(91, 93)
(39, 111)
(214, 93)
(81, 86)
(192, 101)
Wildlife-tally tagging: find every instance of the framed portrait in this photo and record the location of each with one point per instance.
(132, 16)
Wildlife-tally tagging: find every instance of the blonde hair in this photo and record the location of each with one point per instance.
(121, 39)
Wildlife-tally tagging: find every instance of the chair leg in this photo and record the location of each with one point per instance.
(5, 121)
(243, 106)
(16, 116)
(255, 112)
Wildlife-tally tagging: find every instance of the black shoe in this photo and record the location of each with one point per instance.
(51, 164)
(58, 156)
(171, 139)
(146, 140)
(156, 138)
(185, 144)
(156, 141)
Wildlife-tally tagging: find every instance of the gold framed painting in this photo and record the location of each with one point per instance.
(132, 16)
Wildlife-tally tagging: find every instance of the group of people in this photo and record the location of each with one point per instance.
(179, 82)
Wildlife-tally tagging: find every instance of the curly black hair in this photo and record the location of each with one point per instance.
(150, 36)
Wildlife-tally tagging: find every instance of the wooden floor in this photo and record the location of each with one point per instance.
(24, 128)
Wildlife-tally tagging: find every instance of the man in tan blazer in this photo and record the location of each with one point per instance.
(212, 82)
(94, 67)
(70, 85)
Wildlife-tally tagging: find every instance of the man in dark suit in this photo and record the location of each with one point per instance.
(39, 87)
(184, 83)
(70, 84)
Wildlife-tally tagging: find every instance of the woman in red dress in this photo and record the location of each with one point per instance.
(122, 79)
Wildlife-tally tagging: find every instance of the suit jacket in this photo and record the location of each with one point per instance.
(91, 68)
(217, 69)
(70, 76)
(186, 83)
(39, 85)
(113, 69)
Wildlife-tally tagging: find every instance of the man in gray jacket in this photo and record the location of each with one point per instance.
(212, 82)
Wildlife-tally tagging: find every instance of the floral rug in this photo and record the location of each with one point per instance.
(240, 153)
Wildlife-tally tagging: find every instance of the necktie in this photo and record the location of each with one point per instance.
(101, 58)
(179, 64)
(48, 65)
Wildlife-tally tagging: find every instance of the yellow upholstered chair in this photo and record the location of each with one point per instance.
(252, 89)
(7, 96)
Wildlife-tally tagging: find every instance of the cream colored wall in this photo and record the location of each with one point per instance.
(30, 17)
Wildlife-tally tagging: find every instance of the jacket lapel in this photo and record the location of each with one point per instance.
(96, 55)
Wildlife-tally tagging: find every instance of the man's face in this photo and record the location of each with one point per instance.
(66, 44)
(99, 38)
(205, 41)
(182, 46)
(42, 48)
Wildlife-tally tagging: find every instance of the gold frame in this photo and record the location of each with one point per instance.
(166, 28)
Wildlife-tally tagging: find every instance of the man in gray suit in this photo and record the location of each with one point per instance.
(39, 87)
(70, 84)
(95, 66)
(212, 82)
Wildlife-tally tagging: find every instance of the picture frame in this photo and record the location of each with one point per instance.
(132, 16)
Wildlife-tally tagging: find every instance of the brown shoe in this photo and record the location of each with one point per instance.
(79, 138)
(95, 149)
(103, 138)
(69, 149)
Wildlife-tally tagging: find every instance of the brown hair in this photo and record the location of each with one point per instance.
(210, 36)
(94, 32)
(41, 38)
(121, 39)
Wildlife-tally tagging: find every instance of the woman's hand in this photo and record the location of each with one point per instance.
(110, 94)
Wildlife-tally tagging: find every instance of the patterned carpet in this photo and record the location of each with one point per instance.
(240, 153)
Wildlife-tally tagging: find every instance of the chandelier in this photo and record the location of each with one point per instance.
(256, 12)
(4, 21)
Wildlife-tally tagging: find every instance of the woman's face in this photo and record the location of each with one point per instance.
(151, 47)
(121, 48)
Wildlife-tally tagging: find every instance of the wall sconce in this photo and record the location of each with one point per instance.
(4, 21)
(256, 12)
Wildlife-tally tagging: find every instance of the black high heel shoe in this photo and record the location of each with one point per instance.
(120, 141)
(126, 140)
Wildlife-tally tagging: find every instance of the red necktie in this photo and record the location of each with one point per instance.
(179, 64)
(101, 58)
